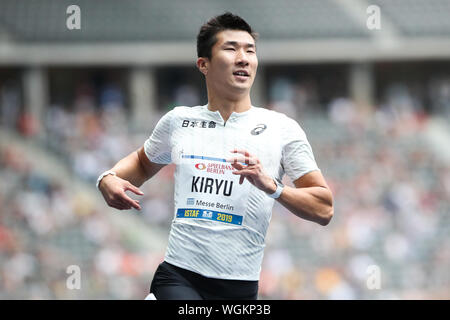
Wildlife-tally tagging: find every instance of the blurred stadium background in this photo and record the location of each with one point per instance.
(375, 105)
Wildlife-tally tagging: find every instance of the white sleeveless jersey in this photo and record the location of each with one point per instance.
(219, 226)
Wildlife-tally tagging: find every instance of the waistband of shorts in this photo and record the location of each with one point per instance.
(226, 286)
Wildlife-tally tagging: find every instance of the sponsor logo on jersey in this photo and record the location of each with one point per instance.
(258, 129)
(198, 124)
(212, 186)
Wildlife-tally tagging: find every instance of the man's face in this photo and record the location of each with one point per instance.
(233, 61)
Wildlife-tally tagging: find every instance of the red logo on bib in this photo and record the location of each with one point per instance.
(200, 166)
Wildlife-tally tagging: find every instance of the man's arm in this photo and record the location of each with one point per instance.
(311, 199)
(131, 172)
(136, 168)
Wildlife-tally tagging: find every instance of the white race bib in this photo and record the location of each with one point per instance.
(209, 190)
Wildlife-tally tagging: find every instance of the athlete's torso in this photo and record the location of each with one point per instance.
(219, 226)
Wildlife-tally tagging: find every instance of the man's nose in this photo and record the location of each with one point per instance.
(242, 58)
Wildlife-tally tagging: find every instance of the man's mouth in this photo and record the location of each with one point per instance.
(241, 73)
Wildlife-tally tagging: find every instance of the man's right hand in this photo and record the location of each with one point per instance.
(113, 190)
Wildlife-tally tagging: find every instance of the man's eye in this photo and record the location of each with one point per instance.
(250, 51)
(229, 49)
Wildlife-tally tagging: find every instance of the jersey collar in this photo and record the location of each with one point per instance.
(234, 115)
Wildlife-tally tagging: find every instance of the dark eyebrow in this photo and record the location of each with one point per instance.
(235, 44)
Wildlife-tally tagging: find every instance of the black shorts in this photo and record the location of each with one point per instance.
(173, 283)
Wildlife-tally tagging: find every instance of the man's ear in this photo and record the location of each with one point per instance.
(203, 65)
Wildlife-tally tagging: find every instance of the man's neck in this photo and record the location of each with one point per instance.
(226, 106)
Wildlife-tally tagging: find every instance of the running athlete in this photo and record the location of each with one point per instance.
(230, 159)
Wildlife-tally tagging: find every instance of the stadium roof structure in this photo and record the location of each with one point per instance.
(164, 31)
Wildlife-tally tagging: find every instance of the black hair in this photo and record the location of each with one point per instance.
(206, 37)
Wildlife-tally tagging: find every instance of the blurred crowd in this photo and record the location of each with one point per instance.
(389, 238)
